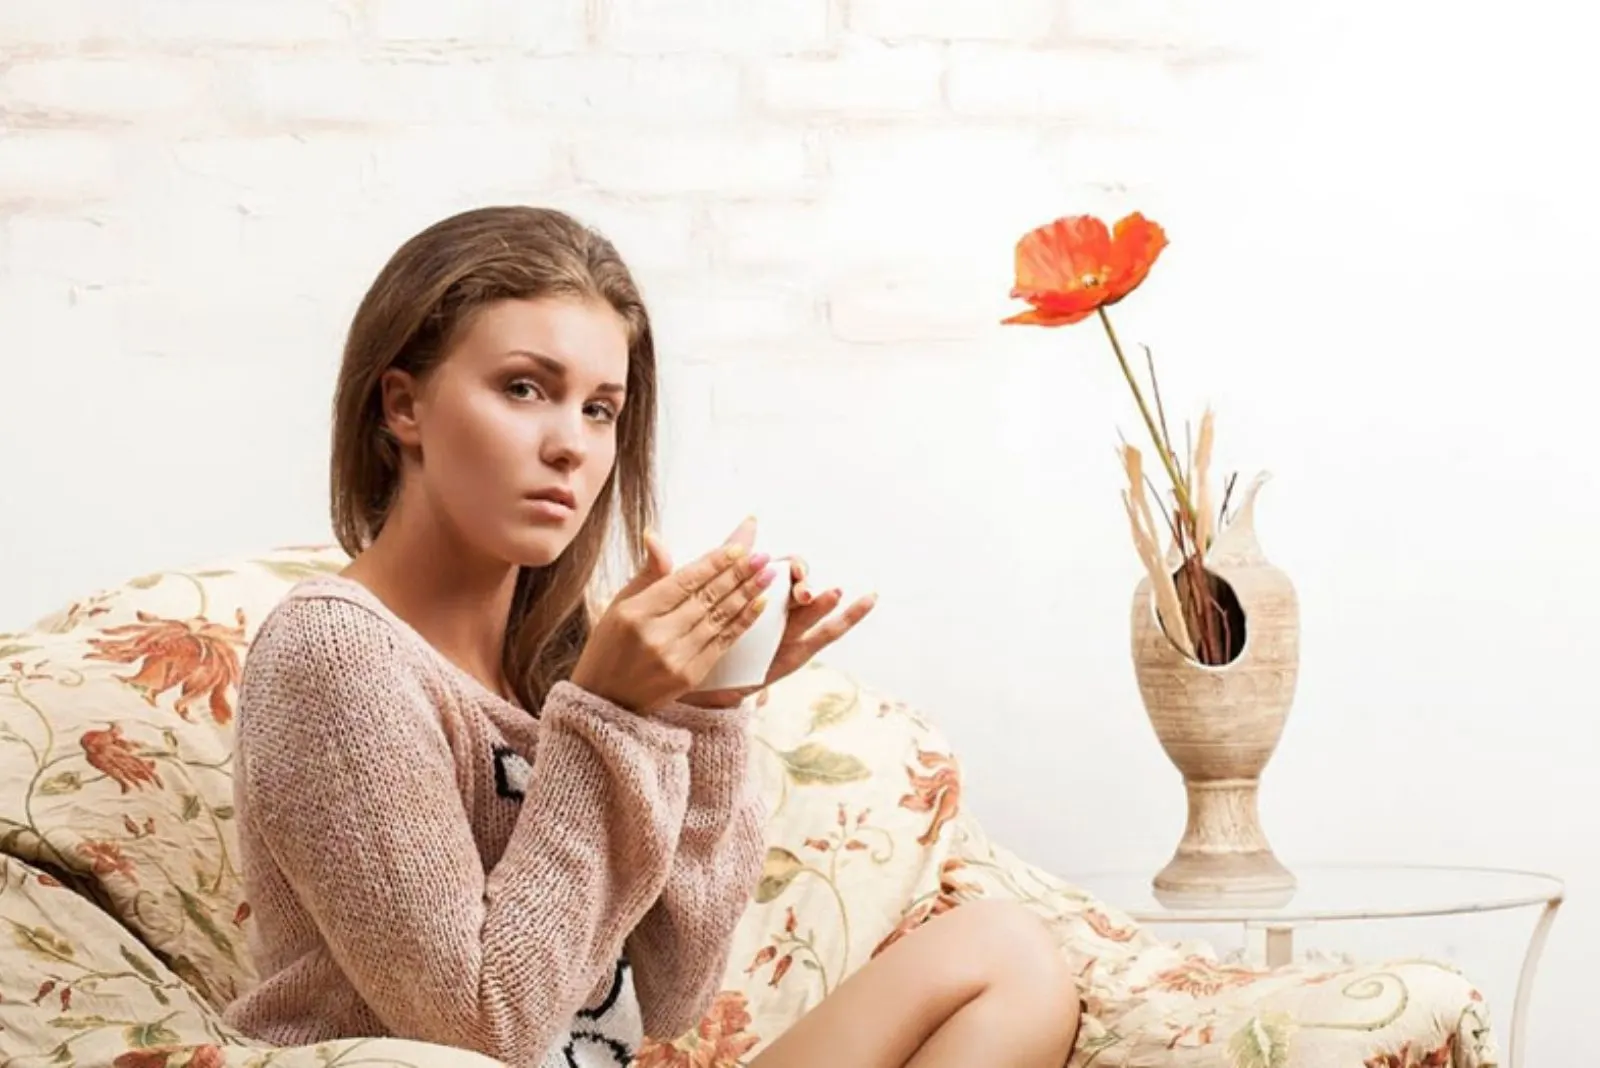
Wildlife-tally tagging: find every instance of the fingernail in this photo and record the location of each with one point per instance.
(734, 552)
(760, 560)
(760, 604)
(765, 578)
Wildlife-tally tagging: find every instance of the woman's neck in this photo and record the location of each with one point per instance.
(459, 602)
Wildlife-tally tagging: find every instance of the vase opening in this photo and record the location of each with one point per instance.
(1218, 629)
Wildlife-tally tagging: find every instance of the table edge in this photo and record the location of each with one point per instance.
(1553, 895)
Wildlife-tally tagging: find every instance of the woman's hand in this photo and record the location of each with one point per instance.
(665, 629)
(809, 630)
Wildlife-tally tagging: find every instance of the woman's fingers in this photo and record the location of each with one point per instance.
(671, 590)
(718, 637)
(657, 565)
(659, 561)
(715, 619)
(801, 617)
(803, 638)
(824, 634)
(719, 600)
(799, 592)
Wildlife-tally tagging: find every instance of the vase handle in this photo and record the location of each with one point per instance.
(1237, 543)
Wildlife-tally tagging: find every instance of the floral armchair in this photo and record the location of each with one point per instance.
(123, 930)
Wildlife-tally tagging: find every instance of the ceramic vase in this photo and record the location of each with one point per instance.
(1220, 724)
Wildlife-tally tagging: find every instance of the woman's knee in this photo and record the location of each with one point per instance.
(1012, 946)
(1028, 975)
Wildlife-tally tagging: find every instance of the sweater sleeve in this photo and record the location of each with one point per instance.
(351, 782)
(680, 950)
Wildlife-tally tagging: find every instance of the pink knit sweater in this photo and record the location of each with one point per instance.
(427, 860)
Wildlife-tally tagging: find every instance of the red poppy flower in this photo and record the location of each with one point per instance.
(1069, 268)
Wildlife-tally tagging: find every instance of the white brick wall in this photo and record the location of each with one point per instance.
(695, 161)
(821, 199)
(1019, 21)
(63, 167)
(181, 24)
(629, 89)
(551, 27)
(69, 90)
(650, 27)
(864, 78)
(297, 92)
(1085, 85)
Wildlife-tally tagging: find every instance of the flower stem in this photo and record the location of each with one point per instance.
(1149, 420)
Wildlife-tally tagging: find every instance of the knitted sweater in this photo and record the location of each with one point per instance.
(427, 860)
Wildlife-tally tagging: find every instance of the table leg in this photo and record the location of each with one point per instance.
(1280, 945)
(1530, 965)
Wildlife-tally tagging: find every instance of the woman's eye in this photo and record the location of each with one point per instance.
(604, 412)
(524, 389)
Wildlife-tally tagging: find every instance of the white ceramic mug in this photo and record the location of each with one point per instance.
(748, 659)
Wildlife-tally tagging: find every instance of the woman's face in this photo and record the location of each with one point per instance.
(514, 432)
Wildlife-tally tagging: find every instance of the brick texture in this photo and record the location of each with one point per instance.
(67, 91)
(551, 27)
(1084, 85)
(283, 23)
(45, 168)
(1022, 21)
(866, 79)
(629, 89)
(785, 175)
(714, 26)
(698, 161)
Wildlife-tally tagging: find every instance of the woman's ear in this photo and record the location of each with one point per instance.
(398, 390)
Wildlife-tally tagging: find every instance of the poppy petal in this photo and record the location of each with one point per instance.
(1077, 303)
(1136, 243)
(1046, 317)
(1056, 257)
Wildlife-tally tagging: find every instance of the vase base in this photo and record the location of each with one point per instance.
(1224, 880)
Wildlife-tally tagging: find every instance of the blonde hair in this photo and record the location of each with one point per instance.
(423, 297)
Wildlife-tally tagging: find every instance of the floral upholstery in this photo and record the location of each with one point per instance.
(123, 929)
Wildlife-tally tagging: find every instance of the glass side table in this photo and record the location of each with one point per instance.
(1361, 892)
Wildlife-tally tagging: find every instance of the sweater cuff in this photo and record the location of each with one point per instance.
(571, 699)
(704, 720)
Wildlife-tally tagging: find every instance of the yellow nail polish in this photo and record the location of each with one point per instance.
(760, 604)
(735, 551)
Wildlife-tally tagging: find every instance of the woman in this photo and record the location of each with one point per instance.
(475, 812)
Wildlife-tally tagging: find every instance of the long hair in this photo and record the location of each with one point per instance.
(417, 306)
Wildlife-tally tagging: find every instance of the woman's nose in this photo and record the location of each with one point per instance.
(563, 444)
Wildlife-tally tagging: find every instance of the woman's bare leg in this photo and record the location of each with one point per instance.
(982, 984)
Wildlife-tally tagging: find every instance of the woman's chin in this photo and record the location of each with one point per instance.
(536, 548)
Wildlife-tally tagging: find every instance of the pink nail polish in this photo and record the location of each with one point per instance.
(760, 560)
(765, 578)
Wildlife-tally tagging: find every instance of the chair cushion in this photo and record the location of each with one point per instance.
(116, 737)
(77, 989)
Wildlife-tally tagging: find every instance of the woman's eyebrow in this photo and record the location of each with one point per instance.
(559, 369)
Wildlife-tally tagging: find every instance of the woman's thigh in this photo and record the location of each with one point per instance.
(882, 1014)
